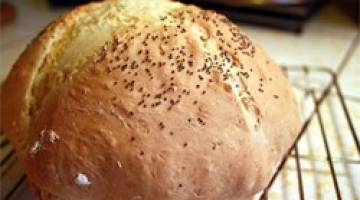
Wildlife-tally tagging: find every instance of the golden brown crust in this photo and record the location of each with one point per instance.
(15, 99)
(184, 107)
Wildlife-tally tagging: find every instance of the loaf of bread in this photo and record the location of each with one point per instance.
(147, 100)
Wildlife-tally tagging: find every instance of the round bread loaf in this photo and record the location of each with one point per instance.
(147, 100)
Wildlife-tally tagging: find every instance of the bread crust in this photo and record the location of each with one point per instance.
(182, 107)
(16, 89)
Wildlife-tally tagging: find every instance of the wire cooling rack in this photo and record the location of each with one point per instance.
(323, 163)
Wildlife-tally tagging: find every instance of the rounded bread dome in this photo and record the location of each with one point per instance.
(148, 100)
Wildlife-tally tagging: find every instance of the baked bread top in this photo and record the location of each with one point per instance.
(147, 100)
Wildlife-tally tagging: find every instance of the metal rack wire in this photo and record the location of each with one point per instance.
(314, 86)
(316, 117)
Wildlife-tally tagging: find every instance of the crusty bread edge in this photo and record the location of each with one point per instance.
(15, 117)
